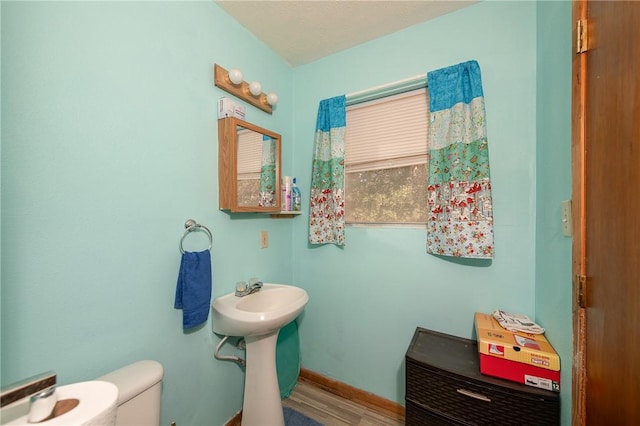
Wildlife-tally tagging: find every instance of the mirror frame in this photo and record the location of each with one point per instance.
(228, 165)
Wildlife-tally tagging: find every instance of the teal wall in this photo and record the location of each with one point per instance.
(367, 298)
(109, 143)
(553, 184)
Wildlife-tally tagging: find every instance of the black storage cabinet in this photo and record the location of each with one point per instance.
(444, 386)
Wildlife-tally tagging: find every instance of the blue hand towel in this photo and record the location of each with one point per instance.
(193, 292)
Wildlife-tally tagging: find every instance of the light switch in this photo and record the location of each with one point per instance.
(567, 223)
(264, 239)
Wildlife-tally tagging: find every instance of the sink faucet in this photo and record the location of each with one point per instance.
(242, 289)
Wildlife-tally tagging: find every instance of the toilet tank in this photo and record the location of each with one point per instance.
(139, 390)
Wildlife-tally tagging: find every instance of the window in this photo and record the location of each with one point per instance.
(386, 160)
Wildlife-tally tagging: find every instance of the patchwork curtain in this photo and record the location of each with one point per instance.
(460, 216)
(268, 184)
(326, 201)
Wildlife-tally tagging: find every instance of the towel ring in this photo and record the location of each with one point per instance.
(191, 225)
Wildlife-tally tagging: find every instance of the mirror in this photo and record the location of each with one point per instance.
(248, 167)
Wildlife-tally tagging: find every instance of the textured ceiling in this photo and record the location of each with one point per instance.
(302, 31)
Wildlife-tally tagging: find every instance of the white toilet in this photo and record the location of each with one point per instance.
(139, 390)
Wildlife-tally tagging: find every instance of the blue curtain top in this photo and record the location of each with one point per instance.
(454, 84)
(332, 113)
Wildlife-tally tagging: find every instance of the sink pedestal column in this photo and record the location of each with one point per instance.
(262, 404)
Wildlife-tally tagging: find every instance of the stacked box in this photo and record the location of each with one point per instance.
(520, 357)
(229, 108)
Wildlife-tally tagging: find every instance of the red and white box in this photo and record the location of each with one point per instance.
(520, 357)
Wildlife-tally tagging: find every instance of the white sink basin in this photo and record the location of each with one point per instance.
(262, 312)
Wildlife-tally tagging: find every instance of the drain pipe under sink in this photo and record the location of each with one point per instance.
(240, 361)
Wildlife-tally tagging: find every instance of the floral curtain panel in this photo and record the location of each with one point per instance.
(326, 201)
(268, 184)
(460, 216)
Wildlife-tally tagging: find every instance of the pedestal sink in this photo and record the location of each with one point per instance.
(258, 317)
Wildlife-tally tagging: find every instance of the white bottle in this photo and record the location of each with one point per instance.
(285, 201)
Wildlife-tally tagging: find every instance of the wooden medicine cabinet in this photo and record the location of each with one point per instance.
(248, 167)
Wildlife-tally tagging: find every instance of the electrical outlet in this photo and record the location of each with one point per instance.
(264, 239)
(567, 223)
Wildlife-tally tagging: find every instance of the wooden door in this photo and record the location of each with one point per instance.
(606, 195)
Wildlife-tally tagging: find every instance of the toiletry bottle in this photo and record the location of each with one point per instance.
(295, 196)
(286, 194)
(283, 194)
(288, 183)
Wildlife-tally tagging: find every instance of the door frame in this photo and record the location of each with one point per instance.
(578, 257)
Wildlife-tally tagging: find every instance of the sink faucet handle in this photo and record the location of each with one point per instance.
(242, 289)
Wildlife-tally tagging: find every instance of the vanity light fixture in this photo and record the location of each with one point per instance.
(232, 82)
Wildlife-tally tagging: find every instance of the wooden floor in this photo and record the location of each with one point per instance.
(331, 410)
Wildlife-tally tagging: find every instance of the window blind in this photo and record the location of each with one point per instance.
(249, 154)
(388, 132)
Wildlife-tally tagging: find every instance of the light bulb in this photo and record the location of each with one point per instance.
(235, 75)
(272, 98)
(255, 88)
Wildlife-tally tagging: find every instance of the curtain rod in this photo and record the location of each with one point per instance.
(389, 89)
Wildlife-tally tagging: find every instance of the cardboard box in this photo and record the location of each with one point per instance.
(229, 108)
(520, 357)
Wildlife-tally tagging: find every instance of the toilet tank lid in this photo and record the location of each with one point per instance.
(134, 379)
